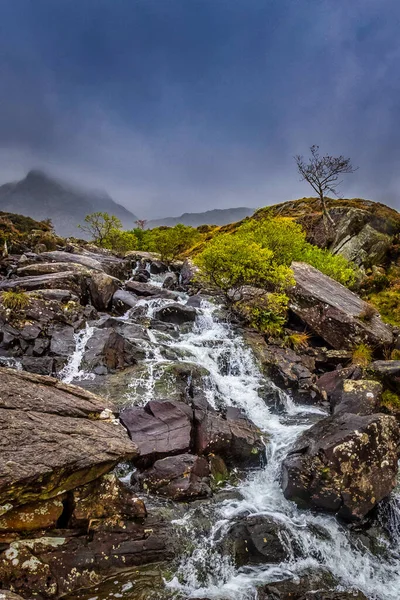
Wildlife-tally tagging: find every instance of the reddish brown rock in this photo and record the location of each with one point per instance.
(178, 477)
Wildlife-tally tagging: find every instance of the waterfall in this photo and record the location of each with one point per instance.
(72, 370)
(324, 542)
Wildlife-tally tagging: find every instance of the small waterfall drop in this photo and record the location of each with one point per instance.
(72, 370)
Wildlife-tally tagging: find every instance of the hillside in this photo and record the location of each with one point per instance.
(41, 196)
(209, 217)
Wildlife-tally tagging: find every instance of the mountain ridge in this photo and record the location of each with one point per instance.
(217, 216)
(41, 196)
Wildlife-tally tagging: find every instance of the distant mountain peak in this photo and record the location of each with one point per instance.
(42, 196)
(217, 216)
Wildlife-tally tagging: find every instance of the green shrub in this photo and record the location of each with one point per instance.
(120, 241)
(388, 305)
(298, 340)
(14, 299)
(266, 312)
(362, 355)
(232, 262)
(390, 400)
(99, 225)
(171, 242)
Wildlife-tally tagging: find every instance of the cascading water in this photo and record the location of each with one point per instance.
(321, 542)
(72, 370)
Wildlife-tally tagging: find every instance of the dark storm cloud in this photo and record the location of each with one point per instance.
(176, 105)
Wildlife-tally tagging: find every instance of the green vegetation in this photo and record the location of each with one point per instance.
(14, 299)
(298, 340)
(106, 231)
(390, 400)
(388, 304)
(362, 355)
(171, 242)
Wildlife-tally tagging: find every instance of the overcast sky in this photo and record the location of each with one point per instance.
(189, 105)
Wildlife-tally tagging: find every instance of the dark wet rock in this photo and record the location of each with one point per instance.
(328, 382)
(236, 439)
(157, 267)
(257, 540)
(170, 282)
(159, 429)
(104, 498)
(62, 340)
(179, 477)
(194, 301)
(70, 280)
(122, 301)
(188, 272)
(176, 313)
(344, 464)
(218, 470)
(388, 372)
(311, 587)
(55, 437)
(42, 365)
(64, 562)
(108, 350)
(102, 288)
(147, 290)
(333, 312)
(287, 368)
(181, 380)
(141, 275)
(360, 397)
(63, 296)
(327, 360)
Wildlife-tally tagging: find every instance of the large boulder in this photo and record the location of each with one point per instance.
(67, 280)
(55, 437)
(159, 429)
(122, 301)
(232, 436)
(359, 397)
(176, 313)
(257, 539)
(388, 372)
(312, 586)
(102, 288)
(181, 477)
(333, 312)
(109, 350)
(344, 464)
(147, 290)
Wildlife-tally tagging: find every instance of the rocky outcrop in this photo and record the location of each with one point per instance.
(388, 372)
(176, 313)
(123, 301)
(257, 539)
(359, 397)
(147, 290)
(333, 312)
(160, 429)
(110, 349)
(344, 464)
(181, 477)
(304, 588)
(54, 438)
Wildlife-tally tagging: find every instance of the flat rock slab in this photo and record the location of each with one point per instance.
(54, 437)
(159, 429)
(333, 312)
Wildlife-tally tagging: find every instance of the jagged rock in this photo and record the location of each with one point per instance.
(286, 368)
(170, 282)
(328, 382)
(36, 515)
(108, 350)
(179, 477)
(176, 313)
(123, 301)
(104, 498)
(69, 280)
(55, 437)
(159, 429)
(148, 290)
(361, 397)
(387, 371)
(257, 539)
(333, 312)
(188, 272)
(62, 341)
(51, 566)
(102, 288)
(305, 589)
(94, 261)
(234, 438)
(194, 301)
(42, 365)
(157, 267)
(344, 464)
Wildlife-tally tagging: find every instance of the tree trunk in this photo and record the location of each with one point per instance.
(325, 214)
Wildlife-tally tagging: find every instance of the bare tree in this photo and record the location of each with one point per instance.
(322, 173)
(141, 223)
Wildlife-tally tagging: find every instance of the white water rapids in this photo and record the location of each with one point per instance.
(324, 543)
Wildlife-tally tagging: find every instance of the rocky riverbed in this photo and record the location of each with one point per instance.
(151, 448)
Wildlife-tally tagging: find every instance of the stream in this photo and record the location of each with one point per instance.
(315, 542)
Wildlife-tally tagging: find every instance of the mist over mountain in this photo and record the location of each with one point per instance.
(41, 196)
(209, 217)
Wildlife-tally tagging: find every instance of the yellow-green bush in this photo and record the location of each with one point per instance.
(14, 299)
(362, 355)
